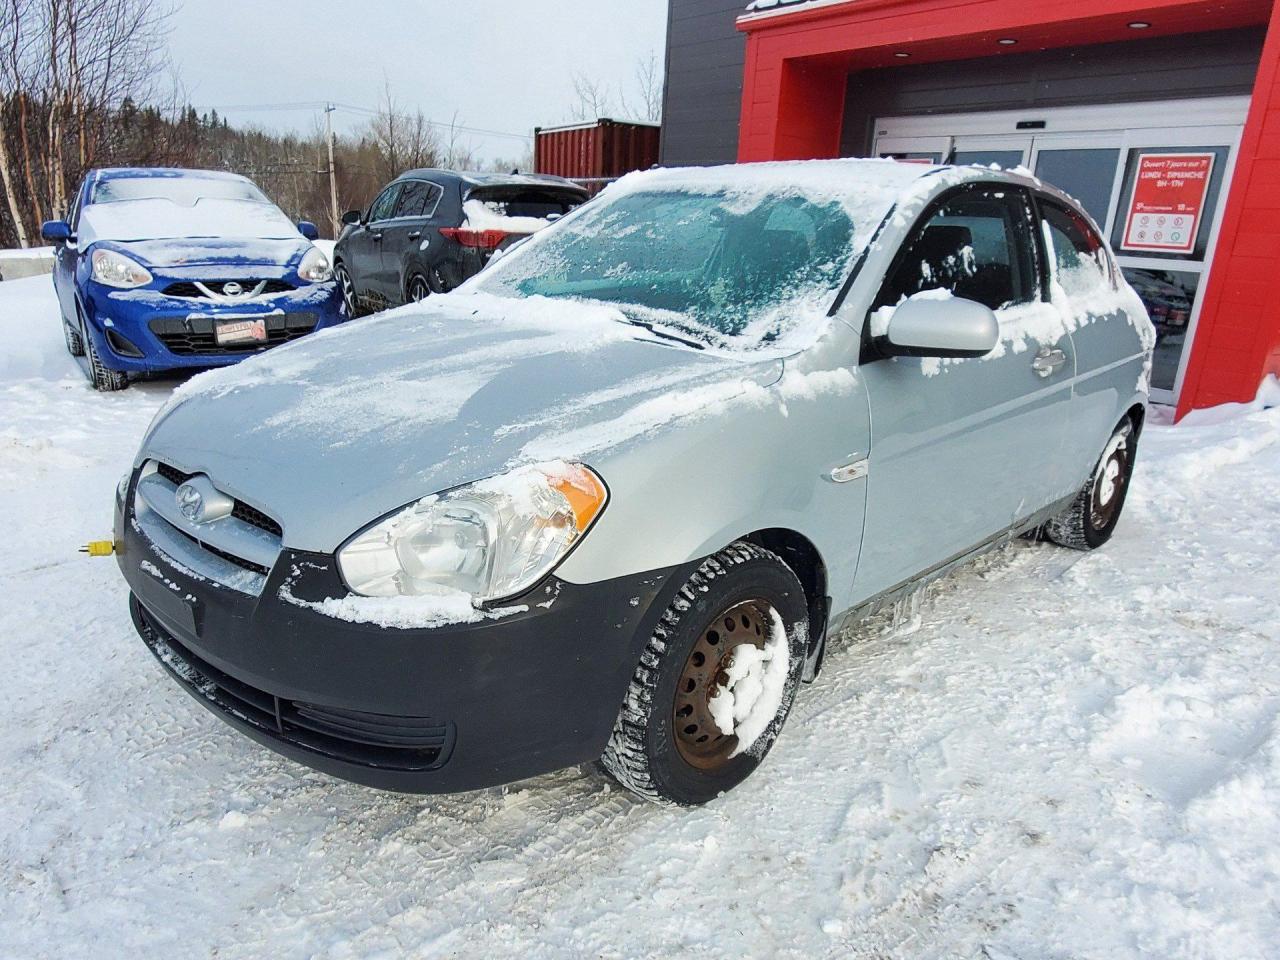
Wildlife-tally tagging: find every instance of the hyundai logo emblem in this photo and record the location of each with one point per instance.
(190, 502)
(232, 289)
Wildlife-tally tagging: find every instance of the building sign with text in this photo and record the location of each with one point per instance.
(1168, 202)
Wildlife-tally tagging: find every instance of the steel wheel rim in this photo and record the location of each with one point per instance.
(699, 740)
(1109, 487)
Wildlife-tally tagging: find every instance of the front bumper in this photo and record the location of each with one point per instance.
(438, 710)
(173, 333)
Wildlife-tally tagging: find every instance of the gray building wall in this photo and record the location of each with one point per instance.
(703, 97)
(1220, 63)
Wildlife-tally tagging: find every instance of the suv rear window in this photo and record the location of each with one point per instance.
(539, 203)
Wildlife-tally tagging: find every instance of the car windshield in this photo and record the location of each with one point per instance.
(183, 190)
(727, 268)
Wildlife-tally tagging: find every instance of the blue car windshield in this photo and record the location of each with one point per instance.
(709, 263)
(184, 190)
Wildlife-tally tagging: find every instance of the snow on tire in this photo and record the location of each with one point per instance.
(715, 682)
(1092, 517)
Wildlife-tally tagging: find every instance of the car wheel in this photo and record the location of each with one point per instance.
(75, 343)
(715, 682)
(1092, 517)
(348, 291)
(102, 377)
(419, 289)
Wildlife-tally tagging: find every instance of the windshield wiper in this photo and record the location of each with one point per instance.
(665, 335)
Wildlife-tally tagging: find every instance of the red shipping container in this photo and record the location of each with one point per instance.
(594, 154)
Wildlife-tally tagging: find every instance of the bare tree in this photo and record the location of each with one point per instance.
(593, 99)
(403, 140)
(647, 104)
(11, 18)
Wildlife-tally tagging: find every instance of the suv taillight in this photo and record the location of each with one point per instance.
(476, 239)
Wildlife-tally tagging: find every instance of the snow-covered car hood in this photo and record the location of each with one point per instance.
(338, 429)
(222, 252)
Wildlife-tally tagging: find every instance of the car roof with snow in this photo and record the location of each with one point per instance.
(472, 179)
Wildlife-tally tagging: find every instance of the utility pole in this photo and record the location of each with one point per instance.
(334, 215)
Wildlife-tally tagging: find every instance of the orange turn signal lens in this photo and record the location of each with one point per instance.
(584, 491)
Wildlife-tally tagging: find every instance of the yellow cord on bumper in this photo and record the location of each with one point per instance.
(99, 548)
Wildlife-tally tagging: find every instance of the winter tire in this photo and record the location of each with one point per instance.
(1092, 517)
(419, 289)
(696, 678)
(102, 377)
(75, 343)
(348, 290)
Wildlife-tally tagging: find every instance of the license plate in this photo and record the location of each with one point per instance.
(240, 331)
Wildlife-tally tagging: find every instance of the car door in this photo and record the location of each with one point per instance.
(403, 234)
(364, 248)
(1110, 356)
(66, 260)
(964, 449)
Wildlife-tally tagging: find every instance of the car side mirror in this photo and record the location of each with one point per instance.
(353, 218)
(932, 325)
(308, 230)
(56, 231)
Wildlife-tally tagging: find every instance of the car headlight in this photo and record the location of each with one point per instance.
(117, 270)
(491, 539)
(315, 267)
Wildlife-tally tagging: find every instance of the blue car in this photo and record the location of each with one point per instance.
(160, 270)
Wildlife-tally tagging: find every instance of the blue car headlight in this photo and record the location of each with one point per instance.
(315, 267)
(117, 270)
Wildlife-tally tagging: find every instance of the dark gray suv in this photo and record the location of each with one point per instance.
(429, 230)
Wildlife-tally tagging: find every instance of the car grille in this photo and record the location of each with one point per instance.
(368, 739)
(191, 289)
(241, 510)
(194, 336)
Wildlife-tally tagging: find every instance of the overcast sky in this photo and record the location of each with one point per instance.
(503, 65)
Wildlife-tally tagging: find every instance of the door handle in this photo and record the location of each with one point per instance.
(415, 235)
(1048, 361)
(375, 237)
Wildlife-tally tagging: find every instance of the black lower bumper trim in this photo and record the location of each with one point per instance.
(405, 744)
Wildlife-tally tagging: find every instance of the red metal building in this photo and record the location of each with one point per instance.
(1217, 294)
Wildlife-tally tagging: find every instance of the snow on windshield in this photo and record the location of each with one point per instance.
(740, 257)
(178, 187)
(160, 219)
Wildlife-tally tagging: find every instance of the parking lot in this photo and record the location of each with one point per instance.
(1049, 754)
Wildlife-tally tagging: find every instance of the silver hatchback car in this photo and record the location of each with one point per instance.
(608, 500)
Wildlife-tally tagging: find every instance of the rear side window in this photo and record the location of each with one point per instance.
(417, 199)
(976, 245)
(1080, 260)
(386, 202)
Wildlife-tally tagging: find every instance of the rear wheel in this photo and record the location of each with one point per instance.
(419, 289)
(1092, 517)
(102, 377)
(716, 681)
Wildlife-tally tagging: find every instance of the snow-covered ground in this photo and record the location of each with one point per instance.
(1050, 755)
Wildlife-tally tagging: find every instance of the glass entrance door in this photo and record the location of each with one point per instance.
(1135, 178)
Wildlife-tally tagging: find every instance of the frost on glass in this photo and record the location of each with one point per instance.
(724, 270)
